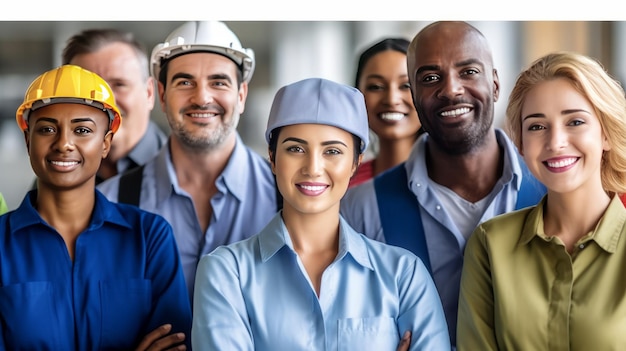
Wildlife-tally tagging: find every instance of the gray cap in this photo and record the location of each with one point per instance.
(320, 101)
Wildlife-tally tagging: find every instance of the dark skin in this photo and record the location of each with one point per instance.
(454, 87)
(65, 199)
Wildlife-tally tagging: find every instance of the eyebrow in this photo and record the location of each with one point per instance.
(325, 143)
(458, 64)
(564, 112)
(56, 121)
(216, 76)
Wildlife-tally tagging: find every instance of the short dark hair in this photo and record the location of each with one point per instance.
(92, 40)
(395, 44)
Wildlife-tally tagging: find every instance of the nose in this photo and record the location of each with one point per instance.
(314, 165)
(64, 141)
(557, 139)
(451, 87)
(202, 96)
(393, 96)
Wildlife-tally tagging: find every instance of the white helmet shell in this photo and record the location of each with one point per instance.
(203, 36)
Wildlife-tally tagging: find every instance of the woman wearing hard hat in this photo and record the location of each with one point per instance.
(80, 272)
(308, 280)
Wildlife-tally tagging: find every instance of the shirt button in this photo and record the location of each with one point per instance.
(581, 246)
(418, 185)
(438, 207)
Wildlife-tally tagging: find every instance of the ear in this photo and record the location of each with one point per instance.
(161, 89)
(272, 160)
(150, 92)
(358, 163)
(27, 140)
(242, 95)
(496, 85)
(606, 145)
(106, 144)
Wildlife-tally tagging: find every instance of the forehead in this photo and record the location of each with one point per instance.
(313, 132)
(202, 63)
(111, 56)
(69, 111)
(385, 61)
(450, 44)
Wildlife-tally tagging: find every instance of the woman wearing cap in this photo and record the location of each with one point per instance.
(551, 276)
(78, 272)
(308, 280)
(382, 77)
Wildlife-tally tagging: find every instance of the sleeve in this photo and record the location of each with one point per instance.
(475, 326)
(170, 298)
(421, 310)
(220, 318)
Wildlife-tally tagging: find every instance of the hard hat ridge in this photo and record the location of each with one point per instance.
(203, 36)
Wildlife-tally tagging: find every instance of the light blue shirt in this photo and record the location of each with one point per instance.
(256, 295)
(444, 240)
(244, 203)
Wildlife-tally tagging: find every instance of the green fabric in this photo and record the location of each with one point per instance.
(3, 205)
(521, 290)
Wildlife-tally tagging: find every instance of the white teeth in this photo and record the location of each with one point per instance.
(313, 187)
(456, 112)
(392, 116)
(562, 163)
(202, 115)
(64, 164)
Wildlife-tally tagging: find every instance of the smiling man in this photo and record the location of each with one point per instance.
(210, 186)
(461, 172)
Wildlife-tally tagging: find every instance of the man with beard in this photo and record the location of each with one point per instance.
(461, 172)
(211, 187)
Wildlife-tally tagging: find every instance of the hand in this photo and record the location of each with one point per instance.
(405, 342)
(160, 340)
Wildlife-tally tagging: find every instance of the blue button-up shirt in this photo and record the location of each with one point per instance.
(244, 203)
(444, 240)
(125, 281)
(256, 295)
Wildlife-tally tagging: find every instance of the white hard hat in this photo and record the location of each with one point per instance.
(203, 36)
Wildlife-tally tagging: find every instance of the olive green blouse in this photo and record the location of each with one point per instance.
(3, 205)
(524, 291)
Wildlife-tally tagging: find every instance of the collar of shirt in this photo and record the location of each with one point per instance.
(233, 178)
(276, 236)
(606, 234)
(104, 211)
(416, 163)
(148, 146)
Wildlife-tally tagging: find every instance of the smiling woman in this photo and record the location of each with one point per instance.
(80, 272)
(308, 267)
(567, 117)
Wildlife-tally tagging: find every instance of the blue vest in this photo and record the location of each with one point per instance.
(396, 204)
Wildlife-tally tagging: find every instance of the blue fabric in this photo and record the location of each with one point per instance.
(125, 280)
(256, 295)
(244, 203)
(444, 240)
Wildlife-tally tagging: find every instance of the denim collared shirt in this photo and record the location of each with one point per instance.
(445, 242)
(257, 295)
(245, 202)
(124, 281)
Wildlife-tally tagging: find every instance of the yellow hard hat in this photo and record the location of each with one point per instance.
(69, 84)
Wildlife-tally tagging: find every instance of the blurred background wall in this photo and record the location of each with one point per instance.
(285, 51)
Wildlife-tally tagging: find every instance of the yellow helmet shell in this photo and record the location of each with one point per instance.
(69, 84)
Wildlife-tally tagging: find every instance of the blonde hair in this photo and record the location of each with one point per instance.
(606, 95)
